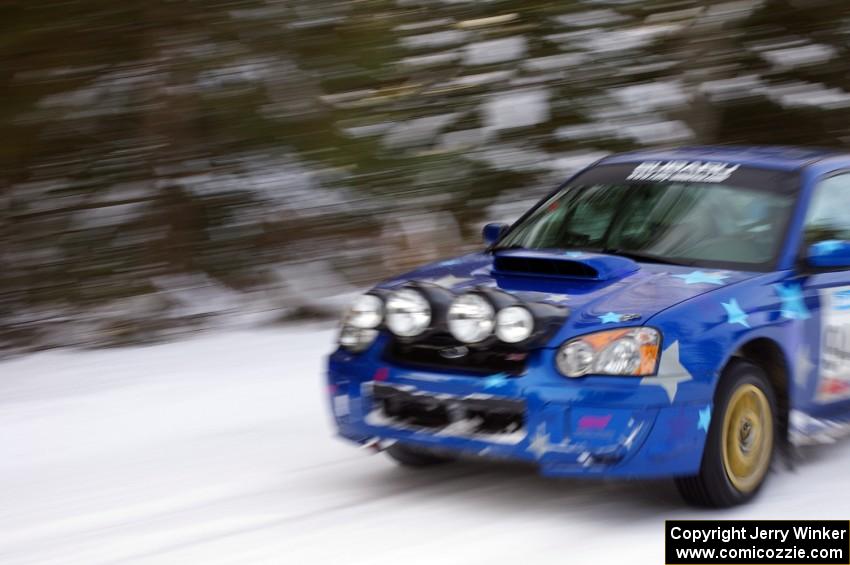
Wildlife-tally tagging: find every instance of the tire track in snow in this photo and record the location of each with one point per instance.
(363, 502)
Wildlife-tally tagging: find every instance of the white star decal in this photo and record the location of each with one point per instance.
(671, 372)
(803, 367)
(540, 443)
(448, 281)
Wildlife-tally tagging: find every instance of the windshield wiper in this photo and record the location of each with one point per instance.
(646, 257)
(512, 246)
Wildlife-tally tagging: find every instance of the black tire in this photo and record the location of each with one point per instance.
(414, 456)
(712, 487)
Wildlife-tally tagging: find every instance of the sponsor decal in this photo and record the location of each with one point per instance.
(842, 300)
(682, 171)
(454, 352)
(835, 387)
(340, 405)
(834, 375)
(594, 422)
(381, 374)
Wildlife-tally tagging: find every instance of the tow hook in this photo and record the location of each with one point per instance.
(376, 444)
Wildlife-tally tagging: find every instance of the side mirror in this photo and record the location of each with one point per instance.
(829, 253)
(492, 232)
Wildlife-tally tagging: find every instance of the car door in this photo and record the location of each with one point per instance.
(823, 364)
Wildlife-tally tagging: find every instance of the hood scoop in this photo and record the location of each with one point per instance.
(571, 265)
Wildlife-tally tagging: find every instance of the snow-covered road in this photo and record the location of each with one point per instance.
(219, 449)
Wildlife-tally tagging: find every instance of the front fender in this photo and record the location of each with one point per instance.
(711, 328)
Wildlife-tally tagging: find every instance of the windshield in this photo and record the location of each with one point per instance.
(710, 224)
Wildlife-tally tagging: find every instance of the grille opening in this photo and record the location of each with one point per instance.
(416, 412)
(477, 416)
(496, 422)
(545, 267)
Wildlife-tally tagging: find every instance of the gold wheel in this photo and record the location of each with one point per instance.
(747, 437)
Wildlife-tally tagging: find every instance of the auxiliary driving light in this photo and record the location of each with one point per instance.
(366, 313)
(471, 318)
(408, 313)
(514, 324)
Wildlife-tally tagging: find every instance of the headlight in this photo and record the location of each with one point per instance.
(575, 358)
(514, 324)
(471, 318)
(627, 351)
(367, 312)
(356, 339)
(408, 313)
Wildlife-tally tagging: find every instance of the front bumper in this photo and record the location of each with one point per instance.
(600, 426)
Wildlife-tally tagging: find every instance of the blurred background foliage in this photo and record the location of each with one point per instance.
(173, 164)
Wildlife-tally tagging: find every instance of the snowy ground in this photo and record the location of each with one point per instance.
(219, 449)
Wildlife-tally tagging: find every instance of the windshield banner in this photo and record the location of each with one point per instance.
(682, 171)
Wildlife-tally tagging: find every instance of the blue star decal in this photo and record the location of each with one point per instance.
(704, 419)
(610, 318)
(793, 305)
(496, 381)
(700, 277)
(734, 314)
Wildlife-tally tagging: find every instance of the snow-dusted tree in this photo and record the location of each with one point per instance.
(152, 147)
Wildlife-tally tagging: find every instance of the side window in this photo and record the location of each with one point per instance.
(829, 211)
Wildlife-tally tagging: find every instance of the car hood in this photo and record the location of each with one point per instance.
(602, 291)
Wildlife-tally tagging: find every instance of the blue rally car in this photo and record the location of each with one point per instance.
(678, 314)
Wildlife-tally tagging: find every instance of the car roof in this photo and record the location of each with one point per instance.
(769, 157)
